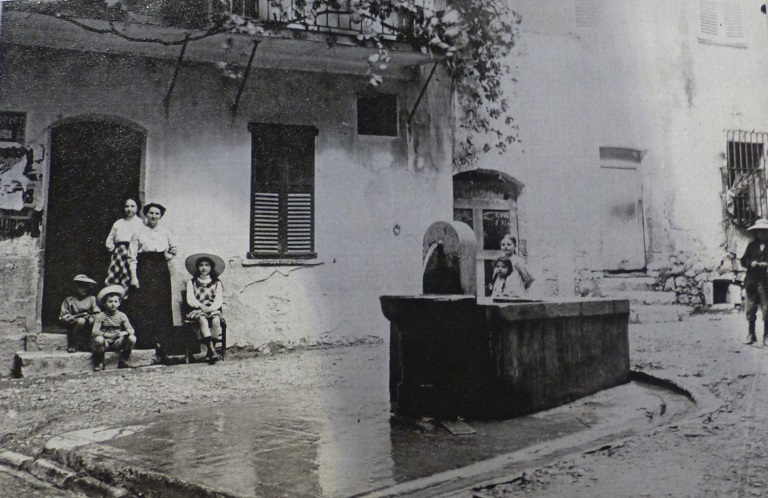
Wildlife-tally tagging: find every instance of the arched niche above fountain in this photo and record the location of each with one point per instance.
(449, 259)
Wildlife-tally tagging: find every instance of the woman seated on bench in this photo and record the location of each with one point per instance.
(205, 298)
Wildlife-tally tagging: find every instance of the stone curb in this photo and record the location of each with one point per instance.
(462, 482)
(706, 402)
(63, 478)
(133, 479)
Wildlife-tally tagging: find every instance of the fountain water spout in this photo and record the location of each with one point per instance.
(429, 253)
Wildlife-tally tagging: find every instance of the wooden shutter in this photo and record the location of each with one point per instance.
(283, 178)
(266, 226)
(721, 23)
(299, 226)
(710, 25)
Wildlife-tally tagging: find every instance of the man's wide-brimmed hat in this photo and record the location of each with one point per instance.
(191, 262)
(111, 289)
(761, 224)
(84, 279)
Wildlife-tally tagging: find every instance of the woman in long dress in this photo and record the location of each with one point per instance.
(118, 242)
(151, 303)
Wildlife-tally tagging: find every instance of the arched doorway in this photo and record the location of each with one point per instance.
(94, 165)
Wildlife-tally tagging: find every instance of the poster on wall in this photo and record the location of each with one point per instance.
(12, 126)
(18, 179)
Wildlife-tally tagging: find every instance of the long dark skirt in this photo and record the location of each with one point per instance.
(150, 305)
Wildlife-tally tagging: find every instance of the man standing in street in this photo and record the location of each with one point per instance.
(755, 260)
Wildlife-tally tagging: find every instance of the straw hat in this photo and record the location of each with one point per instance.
(111, 289)
(761, 224)
(191, 262)
(83, 278)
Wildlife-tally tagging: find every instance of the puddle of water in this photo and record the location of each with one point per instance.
(256, 450)
(337, 440)
(250, 450)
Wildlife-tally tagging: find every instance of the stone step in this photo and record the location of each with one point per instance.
(610, 284)
(46, 342)
(645, 297)
(37, 363)
(658, 313)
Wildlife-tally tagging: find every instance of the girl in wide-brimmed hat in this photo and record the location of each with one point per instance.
(205, 298)
(755, 260)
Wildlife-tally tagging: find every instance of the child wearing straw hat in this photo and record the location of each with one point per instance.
(755, 260)
(112, 331)
(78, 312)
(205, 298)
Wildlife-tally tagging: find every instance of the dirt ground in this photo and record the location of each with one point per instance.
(717, 454)
(34, 410)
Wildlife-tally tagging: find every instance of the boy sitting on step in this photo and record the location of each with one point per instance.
(112, 331)
(78, 312)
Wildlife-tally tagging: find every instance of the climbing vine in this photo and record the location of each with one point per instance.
(472, 38)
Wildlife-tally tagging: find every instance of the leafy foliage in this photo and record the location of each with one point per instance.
(472, 37)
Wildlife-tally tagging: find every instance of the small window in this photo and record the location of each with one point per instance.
(721, 23)
(744, 177)
(587, 14)
(377, 115)
(621, 154)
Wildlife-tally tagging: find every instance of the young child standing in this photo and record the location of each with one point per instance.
(78, 312)
(520, 279)
(205, 298)
(112, 331)
(502, 268)
(118, 242)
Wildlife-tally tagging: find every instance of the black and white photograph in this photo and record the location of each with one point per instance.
(383, 248)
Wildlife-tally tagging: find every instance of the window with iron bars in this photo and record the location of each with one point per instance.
(744, 194)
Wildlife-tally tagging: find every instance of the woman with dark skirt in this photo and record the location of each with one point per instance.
(150, 304)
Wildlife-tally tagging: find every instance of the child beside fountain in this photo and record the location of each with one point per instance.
(519, 279)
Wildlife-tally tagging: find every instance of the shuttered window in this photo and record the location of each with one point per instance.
(282, 191)
(721, 23)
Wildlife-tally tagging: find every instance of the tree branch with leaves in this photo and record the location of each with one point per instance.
(472, 37)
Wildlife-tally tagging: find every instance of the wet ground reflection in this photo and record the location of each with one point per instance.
(258, 450)
(332, 436)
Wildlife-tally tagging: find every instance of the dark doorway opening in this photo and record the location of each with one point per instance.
(94, 166)
(720, 291)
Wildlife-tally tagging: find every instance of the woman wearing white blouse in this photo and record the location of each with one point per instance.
(118, 242)
(151, 304)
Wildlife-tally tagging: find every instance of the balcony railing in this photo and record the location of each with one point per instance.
(341, 21)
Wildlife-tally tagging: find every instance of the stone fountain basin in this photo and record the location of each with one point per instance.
(451, 356)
